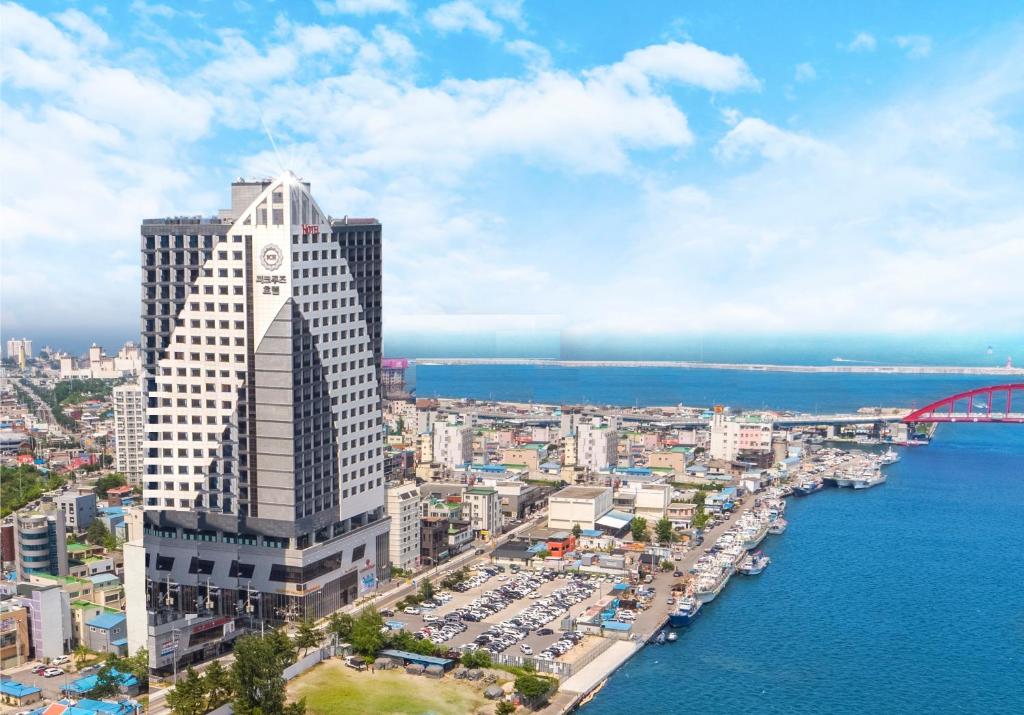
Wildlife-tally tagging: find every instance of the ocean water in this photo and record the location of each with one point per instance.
(809, 392)
(908, 597)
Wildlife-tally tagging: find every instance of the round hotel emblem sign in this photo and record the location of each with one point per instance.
(271, 257)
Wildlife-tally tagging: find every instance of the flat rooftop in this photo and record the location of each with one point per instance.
(580, 493)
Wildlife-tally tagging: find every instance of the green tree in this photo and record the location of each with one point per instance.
(217, 680)
(426, 589)
(639, 528)
(367, 638)
(109, 481)
(307, 636)
(534, 688)
(476, 659)
(504, 708)
(97, 533)
(576, 530)
(664, 530)
(107, 680)
(188, 697)
(257, 675)
(283, 646)
(340, 624)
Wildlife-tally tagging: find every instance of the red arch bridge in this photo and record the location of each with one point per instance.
(984, 404)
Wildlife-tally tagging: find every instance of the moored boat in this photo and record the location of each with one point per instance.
(754, 564)
(687, 610)
(778, 526)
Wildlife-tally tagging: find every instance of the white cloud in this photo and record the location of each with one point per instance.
(756, 136)
(535, 56)
(917, 46)
(862, 42)
(91, 34)
(805, 72)
(153, 9)
(686, 63)
(362, 7)
(462, 15)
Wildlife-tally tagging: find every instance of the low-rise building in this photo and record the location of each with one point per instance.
(578, 505)
(15, 646)
(652, 501)
(484, 511)
(403, 506)
(40, 544)
(107, 633)
(79, 509)
(49, 611)
(433, 540)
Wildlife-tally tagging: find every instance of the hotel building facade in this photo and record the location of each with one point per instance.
(263, 479)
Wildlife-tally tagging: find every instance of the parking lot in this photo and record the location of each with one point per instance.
(518, 614)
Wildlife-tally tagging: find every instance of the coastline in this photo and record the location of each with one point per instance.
(843, 368)
(575, 689)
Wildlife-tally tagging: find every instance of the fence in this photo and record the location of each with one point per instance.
(554, 667)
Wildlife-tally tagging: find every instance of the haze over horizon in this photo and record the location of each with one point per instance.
(546, 183)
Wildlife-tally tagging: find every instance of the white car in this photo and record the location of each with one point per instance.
(411, 610)
(61, 660)
(527, 650)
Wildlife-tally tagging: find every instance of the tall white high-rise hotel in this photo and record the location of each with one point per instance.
(263, 466)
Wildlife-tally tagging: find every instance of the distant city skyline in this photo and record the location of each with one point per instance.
(697, 170)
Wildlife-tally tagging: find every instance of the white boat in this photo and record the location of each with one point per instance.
(671, 637)
(778, 526)
(867, 481)
(754, 564)
(890, 456)
(710, 584)
(843, 479)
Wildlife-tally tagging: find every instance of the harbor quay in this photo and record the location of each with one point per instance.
(649, 623)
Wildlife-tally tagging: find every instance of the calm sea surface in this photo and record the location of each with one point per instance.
(904, 598)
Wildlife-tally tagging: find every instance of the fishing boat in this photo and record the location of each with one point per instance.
(672, 637)
(808, 487)
(754, 564)
(687, 610)
(890, 456)
(868, 480)
(660, 638)
(778, 526)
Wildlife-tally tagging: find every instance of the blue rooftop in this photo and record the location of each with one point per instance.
(495, 468)
(17, 690)
(112, 511)
(119, 642)
(84, 685)
(634, 470)
(416, 657)
(590, 532)
(101, 579)
(615, 625)
(107, 621)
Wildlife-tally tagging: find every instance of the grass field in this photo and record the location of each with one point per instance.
(332, 688)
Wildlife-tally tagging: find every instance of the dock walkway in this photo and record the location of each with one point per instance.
(574, 688)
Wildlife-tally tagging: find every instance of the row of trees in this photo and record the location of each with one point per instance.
(254, 684)
(24, 484)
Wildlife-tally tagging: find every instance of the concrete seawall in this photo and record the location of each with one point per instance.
(747, 367)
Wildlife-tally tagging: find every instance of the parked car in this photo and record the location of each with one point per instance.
(60, 660)
(387, 613)
(53, 672)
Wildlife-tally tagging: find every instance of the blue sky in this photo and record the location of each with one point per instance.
(545, 171)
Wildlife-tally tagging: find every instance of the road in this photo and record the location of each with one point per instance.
(157, 705)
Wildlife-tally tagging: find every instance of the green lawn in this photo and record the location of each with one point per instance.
(332, 688)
